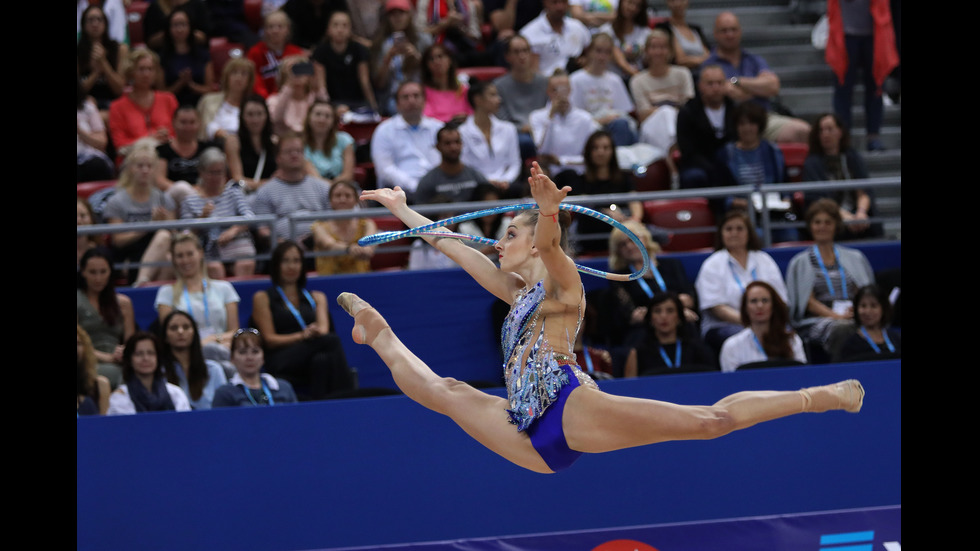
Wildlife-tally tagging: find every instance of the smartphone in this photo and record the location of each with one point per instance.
(398, 37)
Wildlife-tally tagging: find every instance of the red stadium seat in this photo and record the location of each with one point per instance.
(794, 154)
(486, 72)
(135, 12)
(221, 52)
(86, 189)
(253, 14)
(364, 176)
(395, 260)
(656, 177)
(683, 214)
(360, 131)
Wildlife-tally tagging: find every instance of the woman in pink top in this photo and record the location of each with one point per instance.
(144, 111)
(445, 95)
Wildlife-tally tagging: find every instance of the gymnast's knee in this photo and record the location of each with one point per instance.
(715, 422)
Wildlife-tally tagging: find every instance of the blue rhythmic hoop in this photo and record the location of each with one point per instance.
(388, 236)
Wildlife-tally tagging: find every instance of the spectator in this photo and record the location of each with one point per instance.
(115, 18)
(291, 190)
(593, 14)
(522, 90)
(155, 20)
(300, 343)
(623, 307)
(750, 78)
(556, 39)
(425, 256)
(100, 58)
(366, 17)
(268, 53)
(215, 196)
(751, 160)
(602, 176)
(348, 64)
(85, 216)
(704, 125)
(456, 24)
(490, 145)
(252, 153)
(185, 59)
(137, 199)
(861, 38)
(92, 396)
(822, 281)
(177, 169)
(658, 93)
(831, 157)
(329, 150)
(602, 93)
(229, 21)
(105, 315)
(396, 51)
(183, 360)
(249, 385)
(342, 234)
(145, 387)
(559, 129)
(452, 181)
(403, 147)
(874, 339)
(92, 140)
(666, 343)
(297, 92)
(445, 93)
(506, 17)
(690, 45)
(722, 279)
(143, 111)
(220, 110)
(767, 336)
(628, 29)
(310, 19)
(212, 302)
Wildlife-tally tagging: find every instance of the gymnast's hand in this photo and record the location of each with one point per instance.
(390, 198)
(545, 192)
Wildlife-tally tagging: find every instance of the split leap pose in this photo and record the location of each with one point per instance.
(553, 411)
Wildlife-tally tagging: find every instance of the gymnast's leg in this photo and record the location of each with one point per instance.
(483, 416)
(596, 421)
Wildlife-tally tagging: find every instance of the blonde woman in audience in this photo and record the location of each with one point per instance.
(220, 110)
(137, 199)
(212, 302)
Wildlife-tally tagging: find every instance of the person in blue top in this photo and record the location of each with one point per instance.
(553, 412)
(183, 360)
(249, 386)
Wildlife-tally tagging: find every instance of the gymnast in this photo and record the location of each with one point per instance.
(559, 411)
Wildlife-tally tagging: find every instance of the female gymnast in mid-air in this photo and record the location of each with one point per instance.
(558, 410)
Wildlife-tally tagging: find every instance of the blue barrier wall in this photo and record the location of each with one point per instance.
(444, 316)
(376, 471)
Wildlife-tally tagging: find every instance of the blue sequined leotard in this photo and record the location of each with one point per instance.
(546, 379)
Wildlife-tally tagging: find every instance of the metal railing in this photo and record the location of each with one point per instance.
(591, 201)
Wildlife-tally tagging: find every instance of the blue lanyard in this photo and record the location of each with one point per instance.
(874, 345)
(265, 389)
(646, 286)
(677, 355)
(738, 280)
(759, 345)
(840, 268)
(293, 309)
(588, 359)
(204, 299)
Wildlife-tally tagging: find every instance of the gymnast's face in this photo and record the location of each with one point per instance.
(517, 244)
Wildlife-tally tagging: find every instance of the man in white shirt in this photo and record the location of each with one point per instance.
(403, 147)
(555, 37)
(561, 130)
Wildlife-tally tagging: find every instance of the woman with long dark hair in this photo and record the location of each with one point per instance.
(767, 335)
(105, 314)
(183, 360)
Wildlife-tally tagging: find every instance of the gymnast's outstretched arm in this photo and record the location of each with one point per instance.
(499, 283)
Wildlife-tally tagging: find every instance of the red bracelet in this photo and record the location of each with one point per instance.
(553, 216)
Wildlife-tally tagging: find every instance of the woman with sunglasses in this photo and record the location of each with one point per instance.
(249, 386)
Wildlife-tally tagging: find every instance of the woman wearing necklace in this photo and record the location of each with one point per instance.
(249, 386)
(821, 281)
(666, 344)
(212, 302)
(145, 387)
(300, 344)
(767, 336)
(874, 339)
(623, 308)
(724, 275)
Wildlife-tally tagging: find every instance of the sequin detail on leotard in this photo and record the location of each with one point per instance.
(535, 387)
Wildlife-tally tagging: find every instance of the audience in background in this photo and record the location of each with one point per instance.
(177, 169)
(704, 125)
(396, 53)
(185, 59)
(691, 47)
(100, 59)
(249, 386)
(183, 360)
(220, 111)
(297, 91)
(598, 90)
(491, 145)
(329, 150)
(92, 395)
(252, 152)
(145, 387)
(106, 316)
(628, 29)
(343, 234)
(269, 52)
(344, 64)
(456, 24)
(874, 338)
(92, 141)
(560, 129)
(556, 38)
(522, 90)
(452, 181)
(144, 111)
(445, 93)
(665, 343)
(767, 336)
